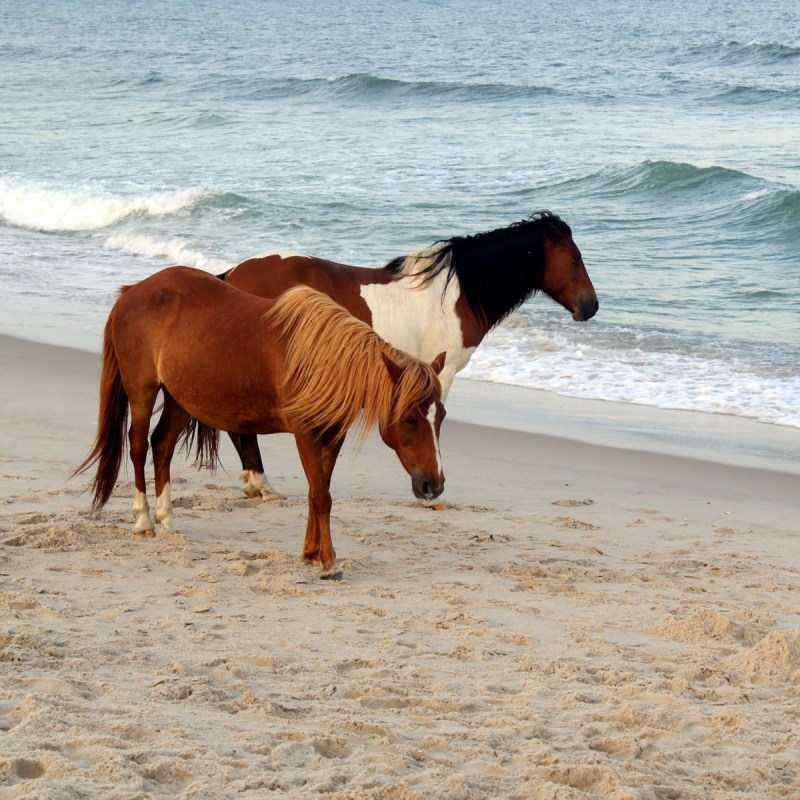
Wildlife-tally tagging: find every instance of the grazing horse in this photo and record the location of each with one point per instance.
(243, 364)
(443, 298)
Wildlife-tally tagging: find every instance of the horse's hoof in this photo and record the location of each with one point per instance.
(271, 497)
(148, 534)
(331, 576)
(264, 495)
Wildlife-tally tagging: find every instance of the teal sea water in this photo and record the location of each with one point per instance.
(138, 135)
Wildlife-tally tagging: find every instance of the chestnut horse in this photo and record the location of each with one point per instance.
(443, 298)
(239, 363)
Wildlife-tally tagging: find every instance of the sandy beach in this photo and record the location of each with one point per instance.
(607, 607)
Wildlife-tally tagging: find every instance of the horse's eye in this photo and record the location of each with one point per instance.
(410, 421)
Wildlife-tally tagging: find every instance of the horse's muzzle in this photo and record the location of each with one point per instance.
(426, 488)
(586, 309)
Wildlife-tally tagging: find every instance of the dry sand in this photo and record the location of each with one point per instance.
(608, 612)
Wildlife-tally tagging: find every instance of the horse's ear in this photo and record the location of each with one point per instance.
(554, 226)
(395, 370)
(438, 362)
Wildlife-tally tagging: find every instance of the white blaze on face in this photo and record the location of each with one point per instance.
(431, 417)
(420, 321)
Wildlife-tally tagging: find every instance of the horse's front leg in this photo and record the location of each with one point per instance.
(318, 459)
(256, 483)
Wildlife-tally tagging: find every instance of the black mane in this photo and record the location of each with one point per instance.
(498, 270)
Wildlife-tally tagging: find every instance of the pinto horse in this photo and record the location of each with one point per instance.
(443, 298)
(235, 362)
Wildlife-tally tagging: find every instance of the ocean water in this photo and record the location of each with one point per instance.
(138, 135)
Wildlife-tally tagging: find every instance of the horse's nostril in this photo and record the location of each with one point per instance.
(426, 488)
(588, 308)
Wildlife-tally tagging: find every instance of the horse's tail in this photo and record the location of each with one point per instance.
(204, 440)
(109, 444)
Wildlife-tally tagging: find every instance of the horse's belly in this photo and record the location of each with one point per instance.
(223, 397)
(235, 416)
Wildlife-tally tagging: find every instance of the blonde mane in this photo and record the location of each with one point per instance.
(335, 373)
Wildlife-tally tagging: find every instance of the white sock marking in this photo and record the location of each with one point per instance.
(256, 484)
(164, 509)
(141, 513)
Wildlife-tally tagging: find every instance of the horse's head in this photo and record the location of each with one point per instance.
(414, 432)
(565, 277)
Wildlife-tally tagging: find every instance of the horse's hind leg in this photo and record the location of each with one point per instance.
(256, 483)
(141, 410)
(165, 436)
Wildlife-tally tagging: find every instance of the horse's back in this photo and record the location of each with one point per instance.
(270, 276)
(167, 284)
(185, 300)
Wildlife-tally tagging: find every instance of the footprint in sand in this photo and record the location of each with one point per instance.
(582, 778)
(574, 524)
(26, 769)
(573, 503)
(34, 518)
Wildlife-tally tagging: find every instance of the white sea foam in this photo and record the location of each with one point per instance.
(39, 207)
(176, 251)
(674, 380)
(757, 195)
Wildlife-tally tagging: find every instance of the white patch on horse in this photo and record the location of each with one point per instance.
(420, 317)
(431, 417)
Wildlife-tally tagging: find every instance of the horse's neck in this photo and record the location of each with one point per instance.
(416, 263)
(422, 319)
